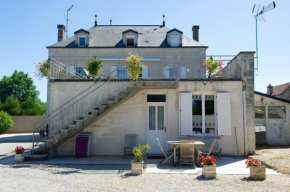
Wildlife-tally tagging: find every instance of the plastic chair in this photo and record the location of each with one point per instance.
(130, 142)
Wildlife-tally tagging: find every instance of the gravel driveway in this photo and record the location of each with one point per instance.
(118, 178)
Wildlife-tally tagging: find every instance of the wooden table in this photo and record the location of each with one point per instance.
(175, 144)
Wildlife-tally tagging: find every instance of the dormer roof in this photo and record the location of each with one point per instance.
(82, 30)
(174, 30)
(130, 30)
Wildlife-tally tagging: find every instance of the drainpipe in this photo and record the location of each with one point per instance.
(245, 124)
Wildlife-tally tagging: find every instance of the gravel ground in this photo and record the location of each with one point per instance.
(118, 178)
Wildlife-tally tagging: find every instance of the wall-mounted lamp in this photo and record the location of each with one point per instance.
(262, 100)
(204, 82)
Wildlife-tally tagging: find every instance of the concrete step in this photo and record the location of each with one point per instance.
(110, 103)
(42, 147)
(72, 128)
(64, 133)
(117, 98)
(36, 157)
(56, 137)
(124, 93)
(87, 118)
(102, 108)
(49, 142)
(95, 112)
(79, 123)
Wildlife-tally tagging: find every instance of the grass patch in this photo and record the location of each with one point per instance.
(280, 157)
(264, 151)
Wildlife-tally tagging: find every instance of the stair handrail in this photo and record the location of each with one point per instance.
(49, 117)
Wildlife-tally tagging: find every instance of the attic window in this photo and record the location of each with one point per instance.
(82, 41)
(130, 42)
(174, 41)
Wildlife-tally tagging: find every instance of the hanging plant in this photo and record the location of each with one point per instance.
(94, 67)
(42, 69)
(212, 66)
(134, 65)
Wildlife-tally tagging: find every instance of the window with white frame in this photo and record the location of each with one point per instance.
(174, 41)
(203, 114)
(82, 41)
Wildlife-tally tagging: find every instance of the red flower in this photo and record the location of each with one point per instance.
(213, 160)
(212, 156)
(201, 165)
(202, 157)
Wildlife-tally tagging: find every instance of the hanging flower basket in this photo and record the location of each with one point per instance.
(42, 69)
(134, 65)
(94, 67)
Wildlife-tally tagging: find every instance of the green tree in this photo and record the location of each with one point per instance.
(18, 95)
(6, 122)
(19, 86)
(11, 106)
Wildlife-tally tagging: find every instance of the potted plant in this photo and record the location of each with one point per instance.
(208, 166)
(94, 67)
(138, 163)
(213, 67)
(19, 154)
(257, 170)
(134, 65)
(42, 69)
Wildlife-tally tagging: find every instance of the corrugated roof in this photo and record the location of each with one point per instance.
(111, 36)
(279, 89)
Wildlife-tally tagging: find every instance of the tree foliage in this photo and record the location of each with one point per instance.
(6, 122)
(18, 95)
(134, 65)
(94, 67)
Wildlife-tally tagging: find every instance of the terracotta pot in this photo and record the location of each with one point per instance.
(209, 171)
(137, 168)
(19, 158)
(258, 172)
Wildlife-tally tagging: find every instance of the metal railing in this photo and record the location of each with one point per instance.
(81, 104)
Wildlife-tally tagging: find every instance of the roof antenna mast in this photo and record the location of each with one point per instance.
(258, 16)
(67, 19)
(110, 21)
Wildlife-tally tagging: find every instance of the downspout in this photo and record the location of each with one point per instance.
(245, 123)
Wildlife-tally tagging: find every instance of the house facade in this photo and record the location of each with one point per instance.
(173, 99)
(280, 91)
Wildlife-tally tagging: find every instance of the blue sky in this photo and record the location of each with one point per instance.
(227, 27)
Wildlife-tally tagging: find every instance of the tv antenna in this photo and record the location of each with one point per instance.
(257, 14)
(67, 19)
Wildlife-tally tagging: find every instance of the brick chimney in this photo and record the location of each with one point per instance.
(269, 89)
(60, 33)
(195, 32)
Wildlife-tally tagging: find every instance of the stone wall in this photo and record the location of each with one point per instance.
(243, 66)
(24, 124)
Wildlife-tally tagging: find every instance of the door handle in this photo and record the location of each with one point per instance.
(165, 129)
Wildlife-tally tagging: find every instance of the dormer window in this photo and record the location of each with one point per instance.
(82, 41)
(130, 38)
(82, 38)
(174, 38)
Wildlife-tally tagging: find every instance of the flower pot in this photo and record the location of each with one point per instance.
(19, 158)
(137, 167)
(209, 171)
(258, 172)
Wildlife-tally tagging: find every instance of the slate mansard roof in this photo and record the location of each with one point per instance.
(111, 36)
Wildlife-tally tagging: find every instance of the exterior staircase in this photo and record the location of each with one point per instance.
(49, 144)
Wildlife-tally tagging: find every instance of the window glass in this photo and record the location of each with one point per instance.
(209, 114)
(130, 42)
(122, 73)
(160, 117)
(174, 41)
(260, 112)
(277, 112)
(156, 98)
(82, 42)
(152, 118)
(197, 114)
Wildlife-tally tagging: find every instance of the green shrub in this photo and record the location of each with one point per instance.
(134, 65)
(139, 152)
(94, 67)
(6, 122)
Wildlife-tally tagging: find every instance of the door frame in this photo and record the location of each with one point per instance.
(165, 104)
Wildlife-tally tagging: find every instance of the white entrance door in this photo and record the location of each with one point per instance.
(156, 127)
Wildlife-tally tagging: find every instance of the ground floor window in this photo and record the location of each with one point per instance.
(203, 114)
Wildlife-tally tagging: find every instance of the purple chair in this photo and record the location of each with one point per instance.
(82, 145)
